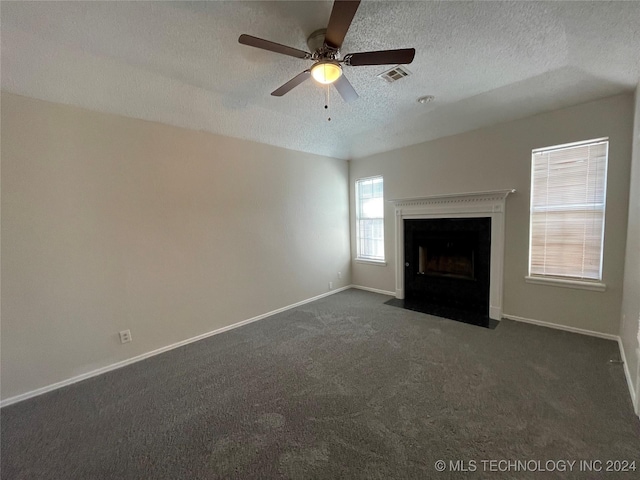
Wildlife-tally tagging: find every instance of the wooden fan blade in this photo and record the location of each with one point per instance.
(341, 16)
(345, 89)
(382, 57)
(272, 46)
(291, 84)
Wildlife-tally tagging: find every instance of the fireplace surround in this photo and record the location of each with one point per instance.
(447, 262)
(490, 205)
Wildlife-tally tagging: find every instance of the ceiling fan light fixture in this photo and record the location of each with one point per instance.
(326, 72)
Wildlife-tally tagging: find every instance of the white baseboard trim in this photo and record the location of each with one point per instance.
(627, 375)
(566, 328)
(158, 351)
(637, 389)
(374, 290)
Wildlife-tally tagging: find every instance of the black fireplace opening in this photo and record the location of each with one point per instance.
(447, 268)
(447, 257)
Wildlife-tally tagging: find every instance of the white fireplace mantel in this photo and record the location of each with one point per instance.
(458, 205)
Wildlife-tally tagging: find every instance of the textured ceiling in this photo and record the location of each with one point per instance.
(180, 63)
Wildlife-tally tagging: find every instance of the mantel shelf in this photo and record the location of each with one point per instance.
(457, 196)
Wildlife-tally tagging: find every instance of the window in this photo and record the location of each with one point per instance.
(370, 219)
(568, 192)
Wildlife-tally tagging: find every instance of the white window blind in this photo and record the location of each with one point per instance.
(568, 194)
(370, 218)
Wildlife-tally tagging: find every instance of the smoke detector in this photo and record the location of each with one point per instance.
(426, 99)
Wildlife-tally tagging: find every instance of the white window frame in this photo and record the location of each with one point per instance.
(568, 281)
(359, 257)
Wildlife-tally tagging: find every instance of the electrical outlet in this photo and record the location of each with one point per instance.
(330, 285)
(339, 274)
(125, 336)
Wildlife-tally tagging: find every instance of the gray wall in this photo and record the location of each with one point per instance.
(629, 328)
(499, 157)
(111, 223)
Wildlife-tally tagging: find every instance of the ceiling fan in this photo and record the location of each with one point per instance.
(325, 45)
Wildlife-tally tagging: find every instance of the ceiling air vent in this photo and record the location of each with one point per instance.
(396, 73)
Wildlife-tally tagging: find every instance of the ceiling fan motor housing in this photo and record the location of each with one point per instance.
(317, 45)
(315, 41)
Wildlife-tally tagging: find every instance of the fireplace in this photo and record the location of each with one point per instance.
(447, 262)
(448, 257)
(468, 256)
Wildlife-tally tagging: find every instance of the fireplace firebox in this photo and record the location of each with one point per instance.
(447, 263)
(446, 257)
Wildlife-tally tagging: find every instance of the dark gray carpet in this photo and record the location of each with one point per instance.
(344, 387)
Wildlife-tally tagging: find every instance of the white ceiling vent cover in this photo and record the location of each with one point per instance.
(396, 73)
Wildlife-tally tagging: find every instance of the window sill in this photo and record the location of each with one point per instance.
(366, 261)
(568, 283)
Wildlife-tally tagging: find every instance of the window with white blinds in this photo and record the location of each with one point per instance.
(568, 197)
(370, 219)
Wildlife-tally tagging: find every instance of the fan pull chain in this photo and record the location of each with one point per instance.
(326, 101)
